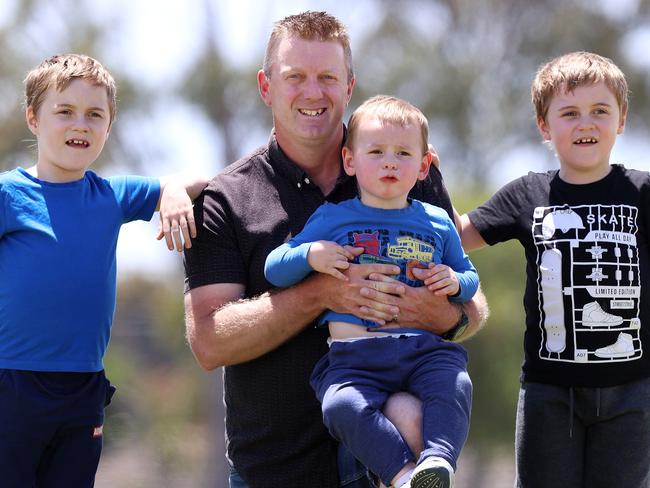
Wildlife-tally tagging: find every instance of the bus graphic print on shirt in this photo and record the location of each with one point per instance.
(588, 283)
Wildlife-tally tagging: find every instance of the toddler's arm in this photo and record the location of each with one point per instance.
(289, 263)
(328, 257)
(442, 280)
(177, 224)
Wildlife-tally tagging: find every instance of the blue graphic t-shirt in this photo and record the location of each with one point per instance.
(413, 236)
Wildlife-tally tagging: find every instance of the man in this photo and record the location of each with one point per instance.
(266, 339)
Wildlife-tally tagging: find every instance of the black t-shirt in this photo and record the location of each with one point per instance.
(273, 420)
(586, 297)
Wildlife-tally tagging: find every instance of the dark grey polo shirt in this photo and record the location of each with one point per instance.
(273, 420)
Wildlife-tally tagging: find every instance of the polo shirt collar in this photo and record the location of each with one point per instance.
(290, 170)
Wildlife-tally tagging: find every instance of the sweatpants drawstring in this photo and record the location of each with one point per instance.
(597, 402)
(571, 412)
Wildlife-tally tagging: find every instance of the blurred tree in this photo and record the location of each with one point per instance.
(35, 31)
(469, 66)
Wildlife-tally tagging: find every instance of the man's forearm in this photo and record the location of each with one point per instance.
(442, 318)
(477, 312)
(232, 332)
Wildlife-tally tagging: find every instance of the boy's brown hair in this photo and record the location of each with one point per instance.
(566, 73)
(389, 110)
(310, 26)
(58, 71)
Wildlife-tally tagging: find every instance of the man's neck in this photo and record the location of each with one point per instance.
(320, 160)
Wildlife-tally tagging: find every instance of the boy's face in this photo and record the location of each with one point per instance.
(71, 128)
(582, 125)
(308, 90)
(387, 161)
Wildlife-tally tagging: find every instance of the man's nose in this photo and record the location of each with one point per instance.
(312, 89)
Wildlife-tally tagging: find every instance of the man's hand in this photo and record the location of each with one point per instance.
(421, 309)
(329, 257)
(418, 307)
(367, 299)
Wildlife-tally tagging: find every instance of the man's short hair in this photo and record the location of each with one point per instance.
(60, 70)
(389, 110)
(310, 26)
(566, 73)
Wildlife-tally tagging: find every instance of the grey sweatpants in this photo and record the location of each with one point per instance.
(583, 437)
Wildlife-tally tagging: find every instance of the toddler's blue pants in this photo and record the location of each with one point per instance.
(354, 380)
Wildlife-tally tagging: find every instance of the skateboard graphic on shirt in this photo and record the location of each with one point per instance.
(588, 283)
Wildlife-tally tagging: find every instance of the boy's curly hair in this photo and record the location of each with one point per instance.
(567, 72)
(58, 71)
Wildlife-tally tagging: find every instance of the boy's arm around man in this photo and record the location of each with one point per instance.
(177, 225)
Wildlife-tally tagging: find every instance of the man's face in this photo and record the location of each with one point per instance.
(307, 91)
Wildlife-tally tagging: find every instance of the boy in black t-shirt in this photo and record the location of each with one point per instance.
(584, 403)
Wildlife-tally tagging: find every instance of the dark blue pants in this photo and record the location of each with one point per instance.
(352, 474)
(51, 428)
(583, 437)
(354, 380)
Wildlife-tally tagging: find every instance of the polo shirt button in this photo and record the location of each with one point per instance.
(307, 180)
(298, 185)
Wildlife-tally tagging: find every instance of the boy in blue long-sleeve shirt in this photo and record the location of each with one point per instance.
(387, 151)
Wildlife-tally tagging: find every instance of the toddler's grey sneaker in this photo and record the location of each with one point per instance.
(433, 472)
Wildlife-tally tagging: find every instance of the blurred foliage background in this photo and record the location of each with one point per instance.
(467, 64)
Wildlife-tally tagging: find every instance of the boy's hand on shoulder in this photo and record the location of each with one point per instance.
(328, 257)
(440, 279)
(177, 224)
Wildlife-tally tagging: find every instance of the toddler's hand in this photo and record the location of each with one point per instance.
(441, 279)
(328, 257)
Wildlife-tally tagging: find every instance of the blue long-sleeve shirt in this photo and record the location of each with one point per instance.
(418, 234)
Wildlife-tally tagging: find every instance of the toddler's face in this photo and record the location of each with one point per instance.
(387, 160)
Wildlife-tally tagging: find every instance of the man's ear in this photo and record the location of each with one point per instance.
(351, 84)
(32, 120)
(264, 87)
(348, 161)
(543, 128)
